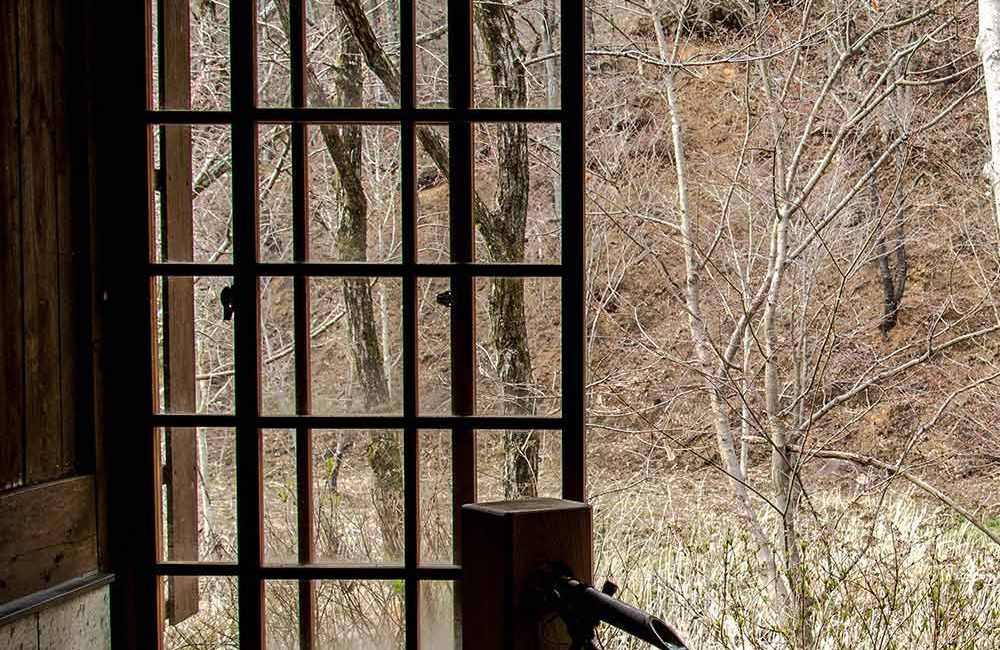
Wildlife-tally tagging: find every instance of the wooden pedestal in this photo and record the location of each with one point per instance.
(504, 545)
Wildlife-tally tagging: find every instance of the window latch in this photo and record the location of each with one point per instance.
(228, 300)
(445, 299)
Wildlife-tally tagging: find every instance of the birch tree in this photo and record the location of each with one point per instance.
(988, 45)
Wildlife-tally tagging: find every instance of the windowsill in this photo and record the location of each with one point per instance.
(40, 600)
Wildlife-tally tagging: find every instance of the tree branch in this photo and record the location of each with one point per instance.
(893, 470)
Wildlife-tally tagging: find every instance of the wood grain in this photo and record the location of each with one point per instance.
(39, 191)
(179, 335)
(504, 545)
(11, 315)
(66, 243)
(47, 535)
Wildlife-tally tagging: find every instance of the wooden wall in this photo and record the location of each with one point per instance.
(48, 516)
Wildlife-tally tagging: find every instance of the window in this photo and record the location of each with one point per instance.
(271, 292)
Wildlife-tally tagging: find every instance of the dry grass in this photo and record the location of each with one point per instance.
(885, 574)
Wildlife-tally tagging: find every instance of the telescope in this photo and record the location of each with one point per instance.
(583, 608)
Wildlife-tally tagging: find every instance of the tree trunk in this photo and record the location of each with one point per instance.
(890, 246)
(384, 453)
(549, 22)
(988, 45)
(705, 355)
(345, 144)
(504, 232)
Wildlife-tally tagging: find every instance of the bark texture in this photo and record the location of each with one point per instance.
(345, 145)
(502, 229)
(503, 232)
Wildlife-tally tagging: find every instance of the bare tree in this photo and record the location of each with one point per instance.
(780, 320)
(988, 44)
(344, 145)
(503, 227)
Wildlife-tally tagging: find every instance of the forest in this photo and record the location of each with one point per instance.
(793, 312)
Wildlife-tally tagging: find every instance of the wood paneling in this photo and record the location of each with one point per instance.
(39, 237)
(47, 535)
(11, 318)
(46, 255)
(66, 243)
(40, 274)
(48, 520)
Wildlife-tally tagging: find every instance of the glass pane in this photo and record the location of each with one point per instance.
(281, 502)
(215, 625)
(432, 53)
(356, 349)
(437, 615)
(350, 614)
(360, 614)
(518, 464)
(433, 226)
(274, 191)
(195, 346)
(198, 478)
(518, 326)
(277, 345)
(358, 493)
(434, 345)
(517, 45)
(436, 502)
(281, 614)
(193, 43)
(274, 83)
(338, 72)
(354, 193)
(193, 193)
(518, 181)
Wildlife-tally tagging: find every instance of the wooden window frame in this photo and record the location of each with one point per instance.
(139, 554)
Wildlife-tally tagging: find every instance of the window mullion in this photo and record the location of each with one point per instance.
(574, 172)
(242, 50)
(302, 325)
(411, 436)
(462, 251)
(462, 246)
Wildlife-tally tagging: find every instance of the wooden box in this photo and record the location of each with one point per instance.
(504, 545)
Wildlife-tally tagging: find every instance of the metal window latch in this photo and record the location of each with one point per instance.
(159, 179)
(228, 299)
(445, 299)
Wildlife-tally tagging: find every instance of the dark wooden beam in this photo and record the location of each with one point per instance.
(40, 98)
(11, 290)
(181, 462)
(48, 535)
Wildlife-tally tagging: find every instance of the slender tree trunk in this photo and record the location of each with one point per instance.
(890, 246)
(705, 355)
(504, 232)
(988, 45)
(345, 146)
(549, 23)
(383, 451)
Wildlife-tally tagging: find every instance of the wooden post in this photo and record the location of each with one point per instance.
(504, 546)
